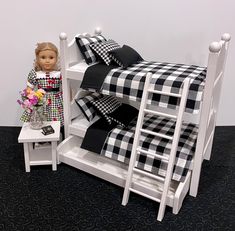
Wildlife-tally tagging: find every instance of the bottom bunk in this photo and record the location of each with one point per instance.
(144, 151)
(69, 152)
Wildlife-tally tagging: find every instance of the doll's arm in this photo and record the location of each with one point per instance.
(31, 80)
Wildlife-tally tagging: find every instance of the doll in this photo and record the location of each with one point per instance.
(47, 76)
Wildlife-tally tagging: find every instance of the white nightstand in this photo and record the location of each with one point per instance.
(39, 156)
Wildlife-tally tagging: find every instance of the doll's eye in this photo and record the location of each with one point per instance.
(42, 57)
(51, 57)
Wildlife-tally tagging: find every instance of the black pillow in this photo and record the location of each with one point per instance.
(123, 115)
(125, 56)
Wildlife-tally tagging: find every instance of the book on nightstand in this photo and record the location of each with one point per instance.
(47, 130)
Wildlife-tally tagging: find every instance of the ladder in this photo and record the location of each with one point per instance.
(136, 148)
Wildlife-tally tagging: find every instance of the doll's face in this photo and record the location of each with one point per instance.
(47, 60)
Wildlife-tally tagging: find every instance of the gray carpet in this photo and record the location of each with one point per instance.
(69, 199)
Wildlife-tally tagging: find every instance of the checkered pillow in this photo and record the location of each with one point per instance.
(85, 105)
(103, 48)
(84, 46)
(106, 105)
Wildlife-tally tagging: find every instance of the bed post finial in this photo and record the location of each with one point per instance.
(215, 47)
(98, 30)
(63, 36)
(226, 37)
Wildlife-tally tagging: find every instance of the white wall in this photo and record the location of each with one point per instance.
(171, 30)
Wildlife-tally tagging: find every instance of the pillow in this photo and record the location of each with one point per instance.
(85, 105)
(123, 115)
(106, 105)
(103, 48)
(125, 56)
(84, 46)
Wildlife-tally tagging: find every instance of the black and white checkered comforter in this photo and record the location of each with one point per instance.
(166, 76)
(119, 142)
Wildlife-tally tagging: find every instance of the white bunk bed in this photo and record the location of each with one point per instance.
(69, 151)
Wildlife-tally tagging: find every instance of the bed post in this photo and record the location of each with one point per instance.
(215, 69)
(218, 85)
(65, 85)
(98, 31)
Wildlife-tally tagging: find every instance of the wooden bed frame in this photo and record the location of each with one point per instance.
(69, 151)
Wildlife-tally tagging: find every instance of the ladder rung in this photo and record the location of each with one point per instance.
(149, 174)
(152, 154)
(164, 93)
(160, 113)
(145, 195)
(156, 134)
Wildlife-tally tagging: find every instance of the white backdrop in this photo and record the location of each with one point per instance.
(171, 30)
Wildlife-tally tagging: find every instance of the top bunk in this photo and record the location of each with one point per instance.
(126, 80)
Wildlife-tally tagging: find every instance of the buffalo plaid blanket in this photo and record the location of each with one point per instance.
(169, 77)
(119, 143)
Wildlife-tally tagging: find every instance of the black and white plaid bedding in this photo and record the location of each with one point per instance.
(166, 76)
(118, 146)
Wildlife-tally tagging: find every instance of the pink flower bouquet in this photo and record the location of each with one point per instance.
(31, 99)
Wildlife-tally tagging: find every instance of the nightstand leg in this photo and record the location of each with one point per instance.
(53, 150)
(26, 156)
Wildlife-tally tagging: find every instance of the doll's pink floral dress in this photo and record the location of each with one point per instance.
(51, 82)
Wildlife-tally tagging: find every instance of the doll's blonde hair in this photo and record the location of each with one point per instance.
(43, 47)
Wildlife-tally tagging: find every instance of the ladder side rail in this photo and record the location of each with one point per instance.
(136, 139)
(174, 146)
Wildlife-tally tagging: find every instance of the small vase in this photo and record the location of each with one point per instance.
(37, 118)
